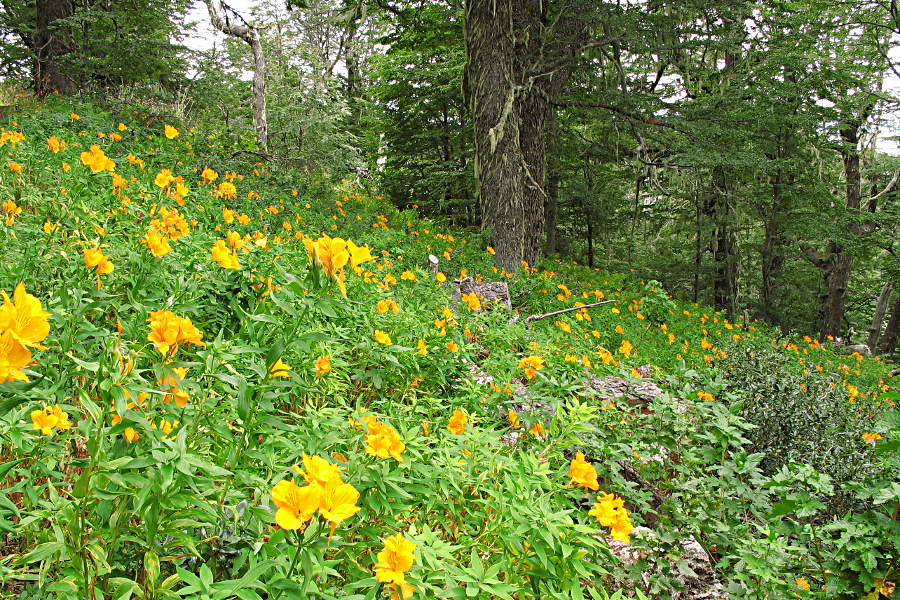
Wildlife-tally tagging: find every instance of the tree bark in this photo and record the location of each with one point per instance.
(51, 43)
(221, 20)
(725, 259)
(891, 331)
(512, 75)
(772, 255)
(490, 87)
(552, 212)
(878, 317)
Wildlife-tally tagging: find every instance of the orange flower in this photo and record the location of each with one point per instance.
(582, 473)
(323, 365)
(457, 423)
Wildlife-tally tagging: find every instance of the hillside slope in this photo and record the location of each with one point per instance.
(179, 331)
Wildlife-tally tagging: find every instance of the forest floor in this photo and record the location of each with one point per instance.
(179, 331)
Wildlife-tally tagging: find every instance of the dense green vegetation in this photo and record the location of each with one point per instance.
(162, 486)
(515, 299)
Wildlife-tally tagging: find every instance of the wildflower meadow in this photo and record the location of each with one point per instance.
(222, 378)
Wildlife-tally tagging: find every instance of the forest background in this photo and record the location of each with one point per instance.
(740, 153)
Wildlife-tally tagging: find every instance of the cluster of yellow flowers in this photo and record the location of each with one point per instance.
(457, 423)
(23, 325)
(174, 186)
(48, 418)
(10, 211)
(393, 562)
(13, 137)
(582, 473)
(383, 441)
(333, 254)
(531, 365)
(609, 510)
(96, 160)
(168, 331)
(225, 255)
(325, 492)
(227, 190)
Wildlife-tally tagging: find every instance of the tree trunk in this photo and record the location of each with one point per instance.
(772, 255)
(490, 88)
(512, 74)
(552, 211)
(878, 317)
(50, 45)
(224, 22)
(836, 279)
(533, 110)
(891, 331)
(725, 260)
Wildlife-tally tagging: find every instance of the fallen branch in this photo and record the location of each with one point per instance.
(531, 318)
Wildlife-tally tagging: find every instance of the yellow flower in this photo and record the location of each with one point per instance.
(208, 175)
(163, 179)
(422, 348)
(96, 160)
(55, 144)
(626, 349)
(514, 419)
(280, 369)
(14, 167)
(537, 430)
(382, 337)
(172, 383)
(13, 358)
(338, 502)
(472, 302)
(123, 127)
(24, 318)
(871, 438)
(323, 365)
(491, 251)
(388, 304)
(393, 562)
(531, 365)
(383, 440)
(296, 505)
(457, 423)
(225, 256)
(130, 435)
(170, 132)
(609, 510)
(802, 583)
(441, 277)
(158, 244)
(582, 473)
(318, 471)
(48, 418)
(95, 259)
(408, 275)
(168, 331)
(50, 227)
(43, 421)
(452, 346)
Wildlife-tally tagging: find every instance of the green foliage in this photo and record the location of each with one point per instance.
(185, 509)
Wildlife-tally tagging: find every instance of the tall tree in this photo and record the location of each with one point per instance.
(518, 57)
(51, 43)
(230, 22)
